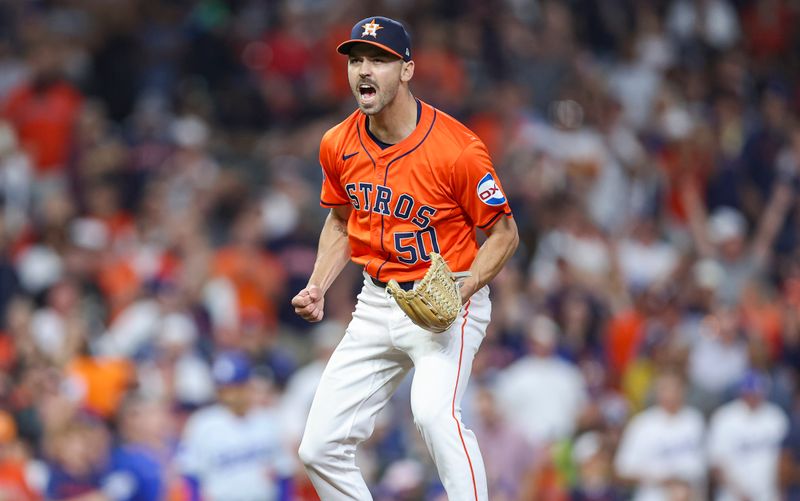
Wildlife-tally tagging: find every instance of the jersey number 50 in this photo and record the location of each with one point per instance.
(412, 246)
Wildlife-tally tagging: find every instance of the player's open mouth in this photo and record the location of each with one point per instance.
(367, 92)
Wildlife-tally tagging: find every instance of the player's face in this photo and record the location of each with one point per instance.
(374, 75)
(236, 397)
(669, 392)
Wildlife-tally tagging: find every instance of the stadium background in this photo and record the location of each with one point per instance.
(159, 187)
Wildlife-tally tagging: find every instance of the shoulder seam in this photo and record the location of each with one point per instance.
(332, 140)
(458, 158)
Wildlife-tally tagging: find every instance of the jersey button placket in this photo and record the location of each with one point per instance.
(377, 224)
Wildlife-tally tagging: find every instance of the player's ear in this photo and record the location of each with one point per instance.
(407, 71)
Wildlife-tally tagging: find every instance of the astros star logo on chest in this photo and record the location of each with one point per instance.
(371, 28)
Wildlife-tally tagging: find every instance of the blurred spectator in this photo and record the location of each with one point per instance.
(233, 450)
(718, 358)
(78, 453)
(16, 183)
(135, 328)
(14, 463)
(44, 110)
(608, 409)
(10, 290)
(713, 22)
(302, 385)
(634, 81)
(761, 149)
(661, 453)
(789, 465)
(41, 255)
(59, 329)
(767, 26)
(542, 395)
(402, 481)
(594, 477)
(640, 335)
(281, 207)
(13, 71)
(508, 454)
(97, 158)
(259, 340)
(726, 241)
(437, 69)
(175, 371)
(744, 440)
(579, 314)
(255, 273)
(139, 468)
(645, 259)
(576, 248)
(762, 318)
(190, 172)
(100, 382)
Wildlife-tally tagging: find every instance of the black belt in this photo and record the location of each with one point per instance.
(406, 286)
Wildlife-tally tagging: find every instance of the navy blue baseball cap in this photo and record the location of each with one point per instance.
(388, 34)
(231, 368)
(753, 383)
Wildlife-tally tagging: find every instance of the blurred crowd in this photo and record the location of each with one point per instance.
(158, 209)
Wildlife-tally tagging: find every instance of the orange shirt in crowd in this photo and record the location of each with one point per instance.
(442, 75)
(121, 226)
(13, 478)
(684, 171)
(768, 29)
(765, 321)
(624, 337)
(257, 277)
(334, 84)
(13, 482)
(44, 121)
(8, 351)
(490, 128)
(106, 380)
(120, 284)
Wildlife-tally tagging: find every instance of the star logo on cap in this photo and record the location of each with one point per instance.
(371, 28)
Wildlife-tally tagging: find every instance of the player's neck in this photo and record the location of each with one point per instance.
(397, 120)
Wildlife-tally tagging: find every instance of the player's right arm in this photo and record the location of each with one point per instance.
(332, 255)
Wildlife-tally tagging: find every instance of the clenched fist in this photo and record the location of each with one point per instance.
(309, 303)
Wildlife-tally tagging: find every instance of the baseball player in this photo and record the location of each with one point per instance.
(661, 450)
(403, 181)
(744, 443)
(233, 450)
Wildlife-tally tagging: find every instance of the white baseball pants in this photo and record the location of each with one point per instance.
(379, 347)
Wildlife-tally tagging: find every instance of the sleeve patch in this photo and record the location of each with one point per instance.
(489, 191)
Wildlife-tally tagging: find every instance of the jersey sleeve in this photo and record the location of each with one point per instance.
(476, 186)
(191, 454)
(719, 444)
(631, 459)
(333, 193)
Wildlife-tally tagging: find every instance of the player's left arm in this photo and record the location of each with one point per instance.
(477, 189)
(501, 243)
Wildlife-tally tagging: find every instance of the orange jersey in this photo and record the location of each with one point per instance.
(426, 193)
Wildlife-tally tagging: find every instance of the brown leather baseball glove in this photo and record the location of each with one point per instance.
(435, 301)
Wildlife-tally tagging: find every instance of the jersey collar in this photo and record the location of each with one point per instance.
(413, 139)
